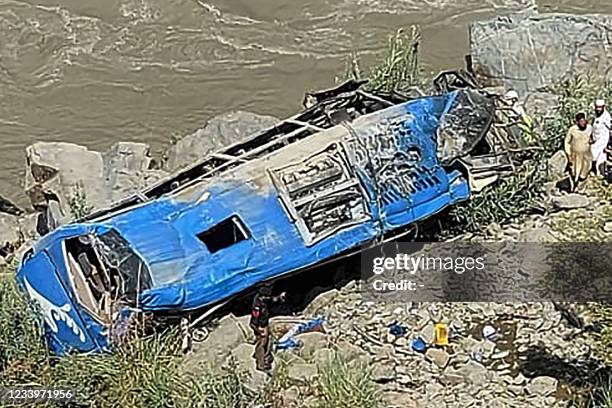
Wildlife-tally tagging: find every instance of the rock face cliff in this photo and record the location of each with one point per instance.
(530, 51)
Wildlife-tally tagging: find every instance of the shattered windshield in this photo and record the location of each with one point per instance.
(130, 274)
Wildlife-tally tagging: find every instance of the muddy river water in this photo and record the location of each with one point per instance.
(98, 71)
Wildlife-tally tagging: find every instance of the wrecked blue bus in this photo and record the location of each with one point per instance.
(352, 168)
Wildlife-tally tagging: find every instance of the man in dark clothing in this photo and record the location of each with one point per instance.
(260, 319)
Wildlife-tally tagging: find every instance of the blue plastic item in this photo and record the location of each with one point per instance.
(397, 329)
(419, 345)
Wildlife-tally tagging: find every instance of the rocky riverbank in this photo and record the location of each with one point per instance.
(541, 356)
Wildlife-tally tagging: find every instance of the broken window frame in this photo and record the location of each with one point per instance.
(291, 204)
(78, 278)
(237, 224)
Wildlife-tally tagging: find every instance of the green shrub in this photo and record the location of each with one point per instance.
(347, 385)
(22, 349)
(222, 390)
(399, 68)
(78, 203)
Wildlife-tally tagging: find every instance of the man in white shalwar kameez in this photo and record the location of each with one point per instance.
(601, 135)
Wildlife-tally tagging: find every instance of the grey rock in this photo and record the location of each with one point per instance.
(310, 401)
(536, 235)
(607, 228)
(27, 226)
(472, 372)
(429, 333)
(432, 389)
(227, 336)
(400, 400)
(531, 51)
(401, 342)
(302, 372)
(519, 379)
(351, 352)
(243, 357)
(557, 165)
(127, 170)
(438, 357)
(570, 201)
(312, 342)
(387, 352)
(488, 346)
(323, 355)
(542, 386)
(451, 378)
(58, 170)
(220, 131)
(291, 396)
(383, 372)
(10, 238)
(66, 173)
(321, 301)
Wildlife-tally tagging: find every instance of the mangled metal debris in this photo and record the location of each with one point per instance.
(353, 168)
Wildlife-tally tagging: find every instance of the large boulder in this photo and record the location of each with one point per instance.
(242, 356)
(220, 131)
(77, 180)
(531, 51)
(127, 169)
(557, 166)
(62, 172)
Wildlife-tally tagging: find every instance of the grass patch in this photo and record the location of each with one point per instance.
(606, 397)
(223, 390)
(22, 349)
(603, 345)
(143, 372)
(347, 385)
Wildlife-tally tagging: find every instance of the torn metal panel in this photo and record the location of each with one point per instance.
(322, 194)
(464, 125)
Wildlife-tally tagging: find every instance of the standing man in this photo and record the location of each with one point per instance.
(578, 149)
(601, 136)
(517, 110)
(260, 319)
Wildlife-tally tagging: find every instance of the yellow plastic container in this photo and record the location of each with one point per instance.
(441, 334)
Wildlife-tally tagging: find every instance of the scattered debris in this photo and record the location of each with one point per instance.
(288, 340)
(441, 336)
(419, 345)
(397, 330)
(490, 333)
